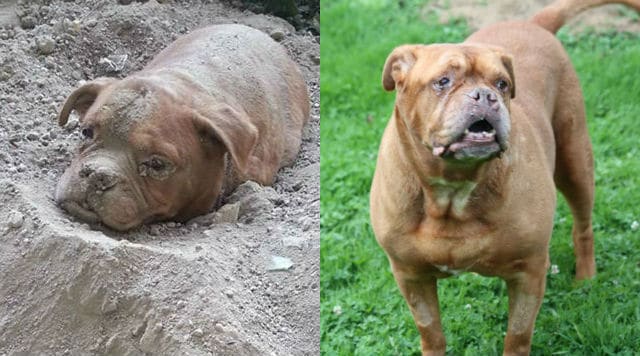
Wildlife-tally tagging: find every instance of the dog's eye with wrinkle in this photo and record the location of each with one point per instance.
(502, 85)
(442, 83)
(156, 167)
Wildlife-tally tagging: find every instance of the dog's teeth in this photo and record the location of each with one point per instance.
(437, 151)
(493, 132)
(466, 132)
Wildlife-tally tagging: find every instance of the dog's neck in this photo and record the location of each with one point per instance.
(449, 189)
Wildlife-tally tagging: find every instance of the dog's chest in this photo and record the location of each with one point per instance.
(447, 238)
(449, 198)
(447, 245)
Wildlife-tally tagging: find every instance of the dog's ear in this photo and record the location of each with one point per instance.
(397, 65)
(82, 98)
(507, 61)
(232, 128)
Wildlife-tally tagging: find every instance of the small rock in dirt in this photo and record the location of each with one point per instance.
(255, 207)
(28, 22)
(198, 332)
(226, 214)
(229, 293)
(109, 306)
(202, 220)
(277, 35)
(314, 58)
(16, 220)
(154, 230)
(254, 199)
(91, 23)
(72, 27)
(306, 223)
(219, 328)
(138, 329)
(297, 186)
(279, 263)
(77, 75)
(245, 190)
(6, 72)
(112, 64)
(46, 45)
(72, 124)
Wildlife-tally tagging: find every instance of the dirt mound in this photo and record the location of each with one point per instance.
(240, 281)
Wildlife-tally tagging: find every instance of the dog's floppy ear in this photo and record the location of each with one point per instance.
(397, 65)
(231, 127)
(82, 98)
(507, 61)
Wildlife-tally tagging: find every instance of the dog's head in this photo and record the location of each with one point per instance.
(454, 98)
(151, 151)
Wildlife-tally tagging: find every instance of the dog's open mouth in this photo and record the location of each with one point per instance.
(480, 132)
(477, 141)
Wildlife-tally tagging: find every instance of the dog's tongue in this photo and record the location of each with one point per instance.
(438, 150)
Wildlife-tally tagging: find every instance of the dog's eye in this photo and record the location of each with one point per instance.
(442, 83)
(156, 167)
(502, 85)
(87, 133)
(156, 164)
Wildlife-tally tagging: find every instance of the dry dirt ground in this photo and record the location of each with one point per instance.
(242, 283)
(480, 13)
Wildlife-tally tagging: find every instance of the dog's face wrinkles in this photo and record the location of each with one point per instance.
(130, 161)
(455, 98)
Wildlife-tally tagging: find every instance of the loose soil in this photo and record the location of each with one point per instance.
(244, 281)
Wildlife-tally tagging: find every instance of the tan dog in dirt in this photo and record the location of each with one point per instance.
(219, 106)
(468, 166)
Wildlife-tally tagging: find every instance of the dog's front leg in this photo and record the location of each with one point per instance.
(525, 296)
(421, 295)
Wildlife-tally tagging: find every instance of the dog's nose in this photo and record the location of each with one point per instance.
(485, 96)
(100, 178)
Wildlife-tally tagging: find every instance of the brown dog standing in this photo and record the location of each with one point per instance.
(219, 106)
(468, 166)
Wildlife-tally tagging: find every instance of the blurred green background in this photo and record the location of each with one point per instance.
(362, 311)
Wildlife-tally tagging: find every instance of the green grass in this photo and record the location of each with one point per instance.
(362, 311)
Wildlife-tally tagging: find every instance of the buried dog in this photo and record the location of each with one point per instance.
(481, 135)
(219, 106)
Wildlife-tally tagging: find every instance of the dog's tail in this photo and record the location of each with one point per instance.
(557, 13)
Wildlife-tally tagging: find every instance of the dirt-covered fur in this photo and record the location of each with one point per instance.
(155, 142)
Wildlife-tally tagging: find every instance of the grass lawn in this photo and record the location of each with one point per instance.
(362, 311)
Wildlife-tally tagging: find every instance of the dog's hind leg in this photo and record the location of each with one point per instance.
(574, 174)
